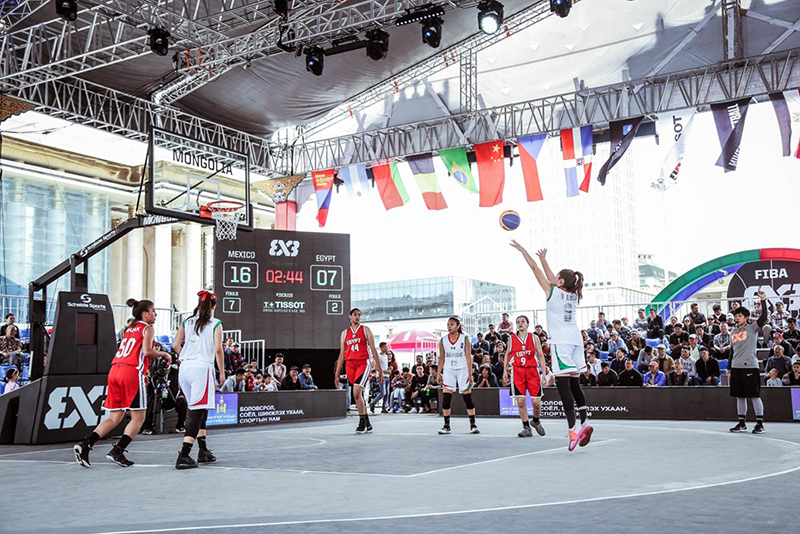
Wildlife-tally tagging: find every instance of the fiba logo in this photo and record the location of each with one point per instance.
(86, 299)
(279, 247)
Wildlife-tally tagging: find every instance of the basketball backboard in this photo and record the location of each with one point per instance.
(185, 175)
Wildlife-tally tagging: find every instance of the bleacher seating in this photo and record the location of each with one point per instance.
(653, 342)
(604, 355)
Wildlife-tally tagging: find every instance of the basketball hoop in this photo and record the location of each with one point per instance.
(226, 215)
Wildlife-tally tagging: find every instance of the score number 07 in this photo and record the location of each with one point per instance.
(327, 278)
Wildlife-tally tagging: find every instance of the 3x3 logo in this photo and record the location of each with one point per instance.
(279, 247)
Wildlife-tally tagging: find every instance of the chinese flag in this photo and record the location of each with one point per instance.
(491, 174)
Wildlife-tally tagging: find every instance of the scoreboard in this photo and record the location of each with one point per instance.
(291, 289)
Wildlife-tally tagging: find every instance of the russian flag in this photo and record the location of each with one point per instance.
(529, 149)
(323, 186)
(576, 144)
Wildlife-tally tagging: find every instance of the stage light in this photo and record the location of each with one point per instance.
(422, 14)
(159, 41)
(67, 9)
(561, 7)
(315, 60)
(432, 32)
(490, 16)
(377, 44)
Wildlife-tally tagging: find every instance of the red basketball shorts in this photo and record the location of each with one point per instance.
(525, 380)
(127, 389)
(358, 372)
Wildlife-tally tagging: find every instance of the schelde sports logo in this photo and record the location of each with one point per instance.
(279, 247)
(86, 299)
(86, 302)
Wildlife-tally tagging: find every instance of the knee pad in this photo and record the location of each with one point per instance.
(446, 399)
(577, 392)
(203, 420)
(193, 423)
(468, 401)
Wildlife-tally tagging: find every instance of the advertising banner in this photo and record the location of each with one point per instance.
(226, 411)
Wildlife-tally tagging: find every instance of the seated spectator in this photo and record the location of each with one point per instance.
(398, 385)
(618, 364)
(237, 358)
(587, 379)
(703, 339)
(615, 343)
(706, 369)
(12, 375)
(643, 361)
(539, 331)
(234, 383)
(607, 377)
(10, 320)
(630, 377)
(678, 377)
(375, 389)
(594, 333)
(665, 362)
(505, 329)
(772, 379)
(655, 325)
(269, 384)
(722, 342)
(687, 364)
(481, 344)
(487, 379)
(637, 343)
(779, 319)
(585, 337)
(697, 318)
(781, 363)
(120, 332)
(498, 369)
(678, 339)
(292, 380)
(11, 347)
(793, 378)
(306, 380)
(670, 328)
(546, 350)
(277, 370)
(499, 348)
(640, 324)
(603, 325)
(433, 386)
(766, 330)
(592, 348)
(253, 366)
(259, 382)
(249, 380)
(792, 334)
(715, 320)
(625, 333)
(654, 378)
(778, 341)
(593, 364)
(419, 381)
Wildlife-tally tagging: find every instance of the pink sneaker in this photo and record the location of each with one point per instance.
(573, 439)
(585, 435)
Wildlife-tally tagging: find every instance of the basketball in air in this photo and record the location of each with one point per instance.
(509, 220)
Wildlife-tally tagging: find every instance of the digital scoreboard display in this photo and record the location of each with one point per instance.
(291, 289)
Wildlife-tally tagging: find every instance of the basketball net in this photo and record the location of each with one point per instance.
(226, 217)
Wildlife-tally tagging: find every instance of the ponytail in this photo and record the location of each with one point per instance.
(139, 307)
(205, 305)
(573, 282)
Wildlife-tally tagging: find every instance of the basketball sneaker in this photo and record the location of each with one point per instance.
(573, 440)
(185, 462)
(361, 428)
(740, 427)
(444, 430)
(205, 456)
(526, 432)
(474, 430)
(539, 428)
(368, 428)
(82, 453)
(585, 435)
(759, 428)
(118, 457)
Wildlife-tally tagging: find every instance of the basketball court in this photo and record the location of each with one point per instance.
(635, 476)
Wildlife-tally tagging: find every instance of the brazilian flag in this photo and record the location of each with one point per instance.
(455, 159)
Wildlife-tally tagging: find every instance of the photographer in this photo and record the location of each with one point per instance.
(163, 394)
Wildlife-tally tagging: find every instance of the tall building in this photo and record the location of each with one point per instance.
(652, 277)
(594, 233)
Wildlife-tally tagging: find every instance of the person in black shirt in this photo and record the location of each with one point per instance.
(481, 344)
(793, 378)
(607, 377)
(655, 325)
(618, 364)
(792, 334)
(292, 380)
(706, 369)
(678, 339)
(10, 320)
(630, 377)
(696, 317)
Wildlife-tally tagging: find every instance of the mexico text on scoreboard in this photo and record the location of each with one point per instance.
(291, 289)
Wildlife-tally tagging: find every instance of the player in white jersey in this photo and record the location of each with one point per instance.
(564, 291)
(198, 344)
(455, 373)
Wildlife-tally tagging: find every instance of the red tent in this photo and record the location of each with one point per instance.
(417, 341)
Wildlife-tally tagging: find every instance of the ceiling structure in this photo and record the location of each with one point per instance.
(609, 59)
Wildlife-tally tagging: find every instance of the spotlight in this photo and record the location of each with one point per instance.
(561, 7)
(159, 41)
(490, 16)
(67, 9)
(420, 15)
(377, 44)
(315, 60)
(432, 32)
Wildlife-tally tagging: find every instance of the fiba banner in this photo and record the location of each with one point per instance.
(729, 119)
(778, 279)
(677, 127)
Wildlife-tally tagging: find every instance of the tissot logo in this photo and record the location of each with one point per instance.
(61, 414)
(86, 299)
(279, 247)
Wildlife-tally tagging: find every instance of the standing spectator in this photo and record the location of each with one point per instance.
(793, 378)
(773, 380)
(779, 319)
(587, 379)
(486, 379)
(505, 329)
(385, 376)
(687, 364)
(481, 344)
(630, 377)
(678, 339)
(670, 328)
(594, 333)
(781, 363)
(618, 364)
(696, 317)
(641, 324)
(706, 369)
(306, 380)
(10, 320)
(11, 347)
(392, 362)
(433, 387)
(643, 361)
(664, 361)
(678, 377)
(654, 378)
(607, 377)
(792, 334)
(292, 380)
(277, 370)
(722, 342)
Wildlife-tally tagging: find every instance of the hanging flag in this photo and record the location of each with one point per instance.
(793, 102)
(422, 167)
(455, 159)
(576, 144)
(675, 127)
(302, 193)
(286, 215)
(491, 173)
(323, 185)
(355, 180)
(529, 148)
(278, 189)
(622, 134)
(787, 111)
(729, 119)
(390, 185)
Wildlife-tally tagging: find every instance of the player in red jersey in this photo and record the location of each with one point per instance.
(357, 351)
(127, 389)
(522, 355)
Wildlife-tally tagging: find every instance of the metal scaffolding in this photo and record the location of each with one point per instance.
(732, 28)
